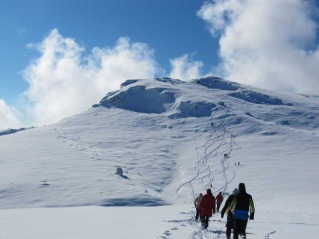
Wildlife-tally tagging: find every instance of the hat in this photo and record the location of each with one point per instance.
(241, 188)
(209, 191)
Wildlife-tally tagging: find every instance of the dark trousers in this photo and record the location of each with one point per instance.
(240, 227)
(204, 220)
(218, 206)
(228, 232)
(229, 225)
(197, 214)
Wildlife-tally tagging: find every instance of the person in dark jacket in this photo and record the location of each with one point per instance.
(207, 208)
(240, 207)
(230, 216)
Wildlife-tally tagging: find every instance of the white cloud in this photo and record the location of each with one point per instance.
(271, 44)
(8, 116)
(185, 69)
(63, 81)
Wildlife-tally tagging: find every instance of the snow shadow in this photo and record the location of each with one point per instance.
(137, 201)
(256, 98)
(217, 83)
(193, 109)
(153, 99)
(128, 82)
(12, 131)
(125, 177)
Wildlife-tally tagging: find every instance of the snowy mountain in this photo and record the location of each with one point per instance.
(172, 139)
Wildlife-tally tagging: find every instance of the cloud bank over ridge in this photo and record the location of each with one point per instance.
(270, 44)
(8, 116)
(64, 81)
(184, 68)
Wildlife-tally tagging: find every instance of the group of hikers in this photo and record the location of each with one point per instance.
(238, 207)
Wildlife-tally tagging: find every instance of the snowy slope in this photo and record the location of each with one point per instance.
(173, 139)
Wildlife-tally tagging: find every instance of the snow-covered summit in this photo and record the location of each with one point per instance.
(202, 97)
(172, 140)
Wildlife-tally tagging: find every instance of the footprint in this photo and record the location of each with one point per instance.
(268, 236)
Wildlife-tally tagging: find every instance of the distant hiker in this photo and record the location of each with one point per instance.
(238, 163)
(206, 208)
(230, 215)
(240, 207)
(219, 199)
(197, 203)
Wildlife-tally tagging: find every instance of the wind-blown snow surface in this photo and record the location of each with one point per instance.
(173, 140)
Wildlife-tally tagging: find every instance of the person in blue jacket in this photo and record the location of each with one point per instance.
(241, 206)
(230, 216)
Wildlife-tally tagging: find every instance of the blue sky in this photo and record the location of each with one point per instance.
(170, 27)
(75, 47)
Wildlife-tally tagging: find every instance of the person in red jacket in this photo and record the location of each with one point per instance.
(219, 200)
(207, 208)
